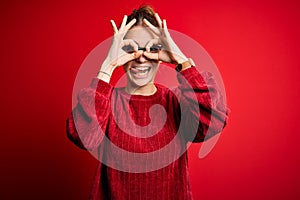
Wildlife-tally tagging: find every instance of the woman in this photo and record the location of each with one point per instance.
(124, 115)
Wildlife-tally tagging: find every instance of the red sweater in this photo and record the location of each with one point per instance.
(106, 112)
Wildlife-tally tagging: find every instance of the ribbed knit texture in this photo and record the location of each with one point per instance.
(101, 109)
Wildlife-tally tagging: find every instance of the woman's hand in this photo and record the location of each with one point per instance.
(117, 56)
(170, 52)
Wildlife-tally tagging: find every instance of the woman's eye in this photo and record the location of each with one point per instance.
(155, 48)
(128, 49)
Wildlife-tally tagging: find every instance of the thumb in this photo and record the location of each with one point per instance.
(152, 56)
(138, 53)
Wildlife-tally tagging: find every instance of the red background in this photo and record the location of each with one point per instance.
(255, 45)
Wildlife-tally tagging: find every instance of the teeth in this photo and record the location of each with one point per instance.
(141, 68)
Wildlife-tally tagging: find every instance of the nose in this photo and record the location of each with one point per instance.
(141, 58)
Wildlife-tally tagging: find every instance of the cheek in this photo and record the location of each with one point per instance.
(155, 66)
(126, 66)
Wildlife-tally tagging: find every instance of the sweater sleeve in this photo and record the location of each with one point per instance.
(204, 111)
(86, 125)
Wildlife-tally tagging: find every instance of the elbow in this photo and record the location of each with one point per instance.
(72, 134)
(209, 128)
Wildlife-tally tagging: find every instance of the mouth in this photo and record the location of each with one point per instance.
(140, 72)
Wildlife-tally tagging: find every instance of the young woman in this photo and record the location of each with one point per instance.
(108, 118)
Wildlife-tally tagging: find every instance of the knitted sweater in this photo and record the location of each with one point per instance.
(107, 119)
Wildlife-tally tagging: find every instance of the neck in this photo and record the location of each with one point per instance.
(145, 90)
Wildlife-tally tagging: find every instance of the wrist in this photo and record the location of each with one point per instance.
(103, 76)
(185, 64)
(180, 60)
(107, 67)
(105, 72)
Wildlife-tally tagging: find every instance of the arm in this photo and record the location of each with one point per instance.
(213, 112)
(88, 121)
(204, 109)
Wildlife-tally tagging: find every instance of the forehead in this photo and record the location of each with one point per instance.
(140, 34)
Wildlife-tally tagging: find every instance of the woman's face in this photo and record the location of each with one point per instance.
(140, 71)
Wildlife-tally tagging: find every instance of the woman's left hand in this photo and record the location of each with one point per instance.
(170, 52)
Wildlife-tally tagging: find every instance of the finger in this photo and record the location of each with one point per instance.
(152, 27)
(113, 24)
(151, 56)
(138, 54)
(165, 28)
(123, 22)
(149, 24)
(128, 57)
(130, 42)
(165, 24)
(152, 42)
(130, 24)
(125, 57)
(158, 19)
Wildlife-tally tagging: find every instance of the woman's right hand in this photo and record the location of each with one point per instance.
(117, 56)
